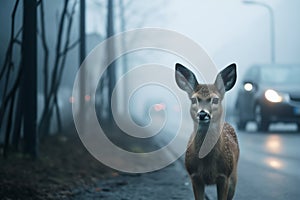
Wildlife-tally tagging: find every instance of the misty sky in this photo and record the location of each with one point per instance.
(229, 30)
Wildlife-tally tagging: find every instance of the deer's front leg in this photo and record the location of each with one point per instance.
(198, 187)
(222, 187)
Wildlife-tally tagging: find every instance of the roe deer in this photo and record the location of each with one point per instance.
(219, 166)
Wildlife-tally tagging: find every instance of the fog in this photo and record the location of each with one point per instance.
(136, 84)
(229, 31)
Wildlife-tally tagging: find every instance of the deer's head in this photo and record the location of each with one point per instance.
(206, 99)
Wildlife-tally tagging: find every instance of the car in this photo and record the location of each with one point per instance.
(269, 94)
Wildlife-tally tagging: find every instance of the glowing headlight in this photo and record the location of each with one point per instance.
(273, 96)
(248, 87)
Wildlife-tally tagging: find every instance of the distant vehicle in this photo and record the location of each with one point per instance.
(269, 93)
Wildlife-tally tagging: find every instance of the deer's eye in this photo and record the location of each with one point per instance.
(215, 100)
(194, 100)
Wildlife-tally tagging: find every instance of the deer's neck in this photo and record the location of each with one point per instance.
(201, 132)
(208, 134)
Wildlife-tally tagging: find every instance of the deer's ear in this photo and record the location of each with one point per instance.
(185, 79)
(226, 78)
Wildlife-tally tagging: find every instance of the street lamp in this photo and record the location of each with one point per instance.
(272, 25)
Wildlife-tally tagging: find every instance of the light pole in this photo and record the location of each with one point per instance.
(272, 25)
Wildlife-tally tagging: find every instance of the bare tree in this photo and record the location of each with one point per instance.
(111, 71)
(82, 47)
(46, 50)
(62, 49)
(82, 52)
(29, 79)
(12, 82)
(19, 95)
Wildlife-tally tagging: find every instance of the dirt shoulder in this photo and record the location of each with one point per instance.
(169, 183)
(63, 165)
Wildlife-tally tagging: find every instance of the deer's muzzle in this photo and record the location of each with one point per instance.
(203, 116)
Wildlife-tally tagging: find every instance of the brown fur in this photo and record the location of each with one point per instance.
(219, 166)
(220, 163)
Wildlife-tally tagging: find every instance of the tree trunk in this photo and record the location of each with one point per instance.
(82, 48)
(82, 54)
(18, 123)
(110, 51)
(29, 81)
(9, 126)
(124, 60)
(46, 51)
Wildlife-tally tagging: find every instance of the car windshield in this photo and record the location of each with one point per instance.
(280, 75)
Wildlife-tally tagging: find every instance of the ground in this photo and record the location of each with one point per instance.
(169, 183)
(63, 165)
(65, 170)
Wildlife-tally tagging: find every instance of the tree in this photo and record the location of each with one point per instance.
(82, 46)
(108, 79)
(12, 82)
(82, 50)
(61, 51)
(18, 93)
(111, 70)
(29, 80)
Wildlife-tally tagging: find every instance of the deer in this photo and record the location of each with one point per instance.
(219, 166)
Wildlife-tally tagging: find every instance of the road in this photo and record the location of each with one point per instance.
(268, 169)
(269, 165)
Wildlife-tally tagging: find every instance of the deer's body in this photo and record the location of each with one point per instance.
(220, 163)
(219, 166)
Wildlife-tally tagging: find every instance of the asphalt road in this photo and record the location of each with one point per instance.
(268, 169)
(269, 165)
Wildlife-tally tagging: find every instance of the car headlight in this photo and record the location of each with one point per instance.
(248, 87)
(273, 96)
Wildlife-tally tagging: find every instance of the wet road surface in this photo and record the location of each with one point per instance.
(268, 169)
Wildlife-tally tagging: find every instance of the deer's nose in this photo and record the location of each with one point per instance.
(203, 116)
